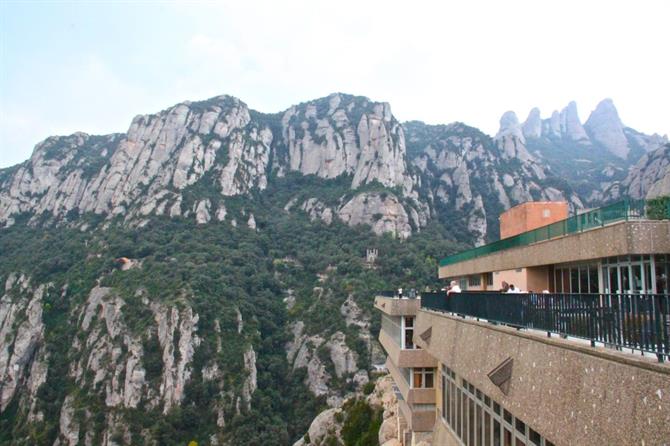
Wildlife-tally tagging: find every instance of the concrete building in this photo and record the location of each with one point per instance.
(498, 375)
(613, 249)
(412, 368)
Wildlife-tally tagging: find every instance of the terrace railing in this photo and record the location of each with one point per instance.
(621, 211)
(636, 321)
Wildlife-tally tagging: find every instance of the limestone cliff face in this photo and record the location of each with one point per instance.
(350, 135)
(144, 171)
(190, 160)
(472, 177)
(606, 128)
(649, 178)
(185, 161)
(131, 368)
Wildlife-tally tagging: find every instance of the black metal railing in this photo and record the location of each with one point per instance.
(636, 321)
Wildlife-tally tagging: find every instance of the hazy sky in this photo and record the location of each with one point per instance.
(92, 66)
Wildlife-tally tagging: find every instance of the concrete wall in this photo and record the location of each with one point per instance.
(632, 237)
(567, 391)
(442, 436)
(397, 307)
(531, 215)
(405, 358)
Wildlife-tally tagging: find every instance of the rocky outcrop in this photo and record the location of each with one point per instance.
(180, 325)
(21, 332)
(649, 178)
(605, 128)
(571, 126)
(344, 134)
(342, 357)
(467, 176)
(532, 127)
(381, 211)
(324, 426)
(250, 382)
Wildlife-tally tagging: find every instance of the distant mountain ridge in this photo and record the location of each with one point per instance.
(190, 160)
(593, 156)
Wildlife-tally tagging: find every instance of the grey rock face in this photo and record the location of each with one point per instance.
(21, 332)
(650, 177)
(348, 135)
(382, 211)
(605, 128)
(510, 126)
(532, 127)
(571, 126)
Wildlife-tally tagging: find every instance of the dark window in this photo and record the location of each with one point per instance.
(535, 438)
(429, 380)
(593, 279)
(574, 280)
(521, 426)
(507, 416)
(475, 280)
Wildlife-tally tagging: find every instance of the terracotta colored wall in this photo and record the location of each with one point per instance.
(518, 278)
(531, 215)
(537, 279)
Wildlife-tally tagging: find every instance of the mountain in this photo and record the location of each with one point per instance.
(191, 159)
(202, 277)
(648, 178)
(591, 156)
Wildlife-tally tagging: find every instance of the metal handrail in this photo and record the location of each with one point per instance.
(636, 321)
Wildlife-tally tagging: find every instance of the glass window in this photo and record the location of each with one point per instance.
(624, 272)
(534, 437)
(593, 279)
(520, 426)
(637, 278)
(508, 437)
(475, 280)
(558, 281)
(647, 278)
(566, 280)
(574, 280)
(417, 382)
(422, 378)
(583, 279)
(429, 380)
(507, 416)
(408, 342)
(476, 424)
(661, 279)
(614, 280)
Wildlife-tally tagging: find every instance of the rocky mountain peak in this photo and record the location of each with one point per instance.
(606, 129)
(532, 127)
(571, 126)
(510, 126)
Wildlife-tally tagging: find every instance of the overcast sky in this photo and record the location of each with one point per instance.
(91, 67)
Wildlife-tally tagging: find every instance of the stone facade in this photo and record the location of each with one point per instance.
(570, 393)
